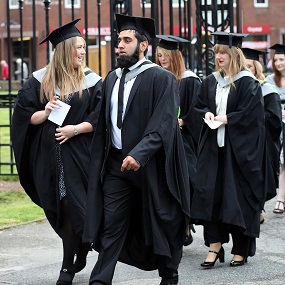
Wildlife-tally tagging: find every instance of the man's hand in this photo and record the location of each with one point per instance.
(129, 163)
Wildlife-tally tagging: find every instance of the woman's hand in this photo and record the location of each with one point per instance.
(283, 113)
(209, 117)
(64, 133)
(51, 105)
(222, 118)
(41, 116)
(181, 123)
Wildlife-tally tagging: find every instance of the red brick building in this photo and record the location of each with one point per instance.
(262, 19)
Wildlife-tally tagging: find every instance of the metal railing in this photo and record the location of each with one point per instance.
(171, 16)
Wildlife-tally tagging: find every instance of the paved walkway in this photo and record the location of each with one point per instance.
(31, 255)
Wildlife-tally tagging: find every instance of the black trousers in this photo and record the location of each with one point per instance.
(119, 189)
(218, 232)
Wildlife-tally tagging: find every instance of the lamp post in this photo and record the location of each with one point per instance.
(21, 37)
(47, 8)
(211, 15)
(99, 36)
(116, 6)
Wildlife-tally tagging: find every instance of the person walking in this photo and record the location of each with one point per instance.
(138, 203)
(230, 187)
(52, 157)
(278, 80)
(273, 119)
(169, 56)
(4, 70)
(18, 71)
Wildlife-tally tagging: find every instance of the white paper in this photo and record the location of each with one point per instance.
(213, 125)
(58, 115)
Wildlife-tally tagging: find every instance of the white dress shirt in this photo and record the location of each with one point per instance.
(116, 132)
(222, 94)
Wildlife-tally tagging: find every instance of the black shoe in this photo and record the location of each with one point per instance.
(80, 261)
(220, 256)
(235, 263)
(66, 276)
(189, 238)
(168, 283)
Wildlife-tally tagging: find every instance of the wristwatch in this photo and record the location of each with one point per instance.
(75, 131)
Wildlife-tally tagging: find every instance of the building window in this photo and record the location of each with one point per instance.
(261, 3)
(67, 4)
(13, 4)
(175, 3)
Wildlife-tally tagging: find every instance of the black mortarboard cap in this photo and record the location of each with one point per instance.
(229, 39)
(62, 33)
(145, 26)
(253, 53)
(279, 48)
(171, 42)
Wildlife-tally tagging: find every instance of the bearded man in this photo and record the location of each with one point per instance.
(138, 199)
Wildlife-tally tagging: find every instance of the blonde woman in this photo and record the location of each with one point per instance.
(169, 56)
(278, 80)
(52, 157)
(229, 193)
(273, 118)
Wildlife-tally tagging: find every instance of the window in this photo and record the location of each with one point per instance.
(175, 3)
(67, 3)
(13, 4)
(261, 3)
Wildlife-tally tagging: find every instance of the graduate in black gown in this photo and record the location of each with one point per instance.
(169, 56)
(273, 118)
(53, 158)
(277, 78)
(138, 197)
(230, 188)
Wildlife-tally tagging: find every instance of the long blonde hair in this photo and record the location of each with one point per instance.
(60, 72)
(237, 60)
(177, 65)
(258, 71)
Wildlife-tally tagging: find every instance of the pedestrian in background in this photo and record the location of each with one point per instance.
(230, 187)
(4, 70)
(138, 196)
(18, 71)
(53, 158)
(169, 56)
(273, 119)
(278, 80)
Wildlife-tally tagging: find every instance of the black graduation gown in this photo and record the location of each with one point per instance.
(281, 93)
(34, 149)
(161, 210)
(188, 90)
(245, 164)
(273, 126)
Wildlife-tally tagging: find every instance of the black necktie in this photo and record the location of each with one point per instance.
(121, 98)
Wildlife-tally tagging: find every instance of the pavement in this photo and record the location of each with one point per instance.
(30, 254)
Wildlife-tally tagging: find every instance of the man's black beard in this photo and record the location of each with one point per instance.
(126, 61)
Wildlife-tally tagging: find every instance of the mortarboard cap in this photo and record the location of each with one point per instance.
(279, 49)
(62, 33)
(229, 39)
(171, 42)
(253, 53)
(145, 26)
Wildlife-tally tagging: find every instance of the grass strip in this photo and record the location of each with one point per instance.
(16, 207)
